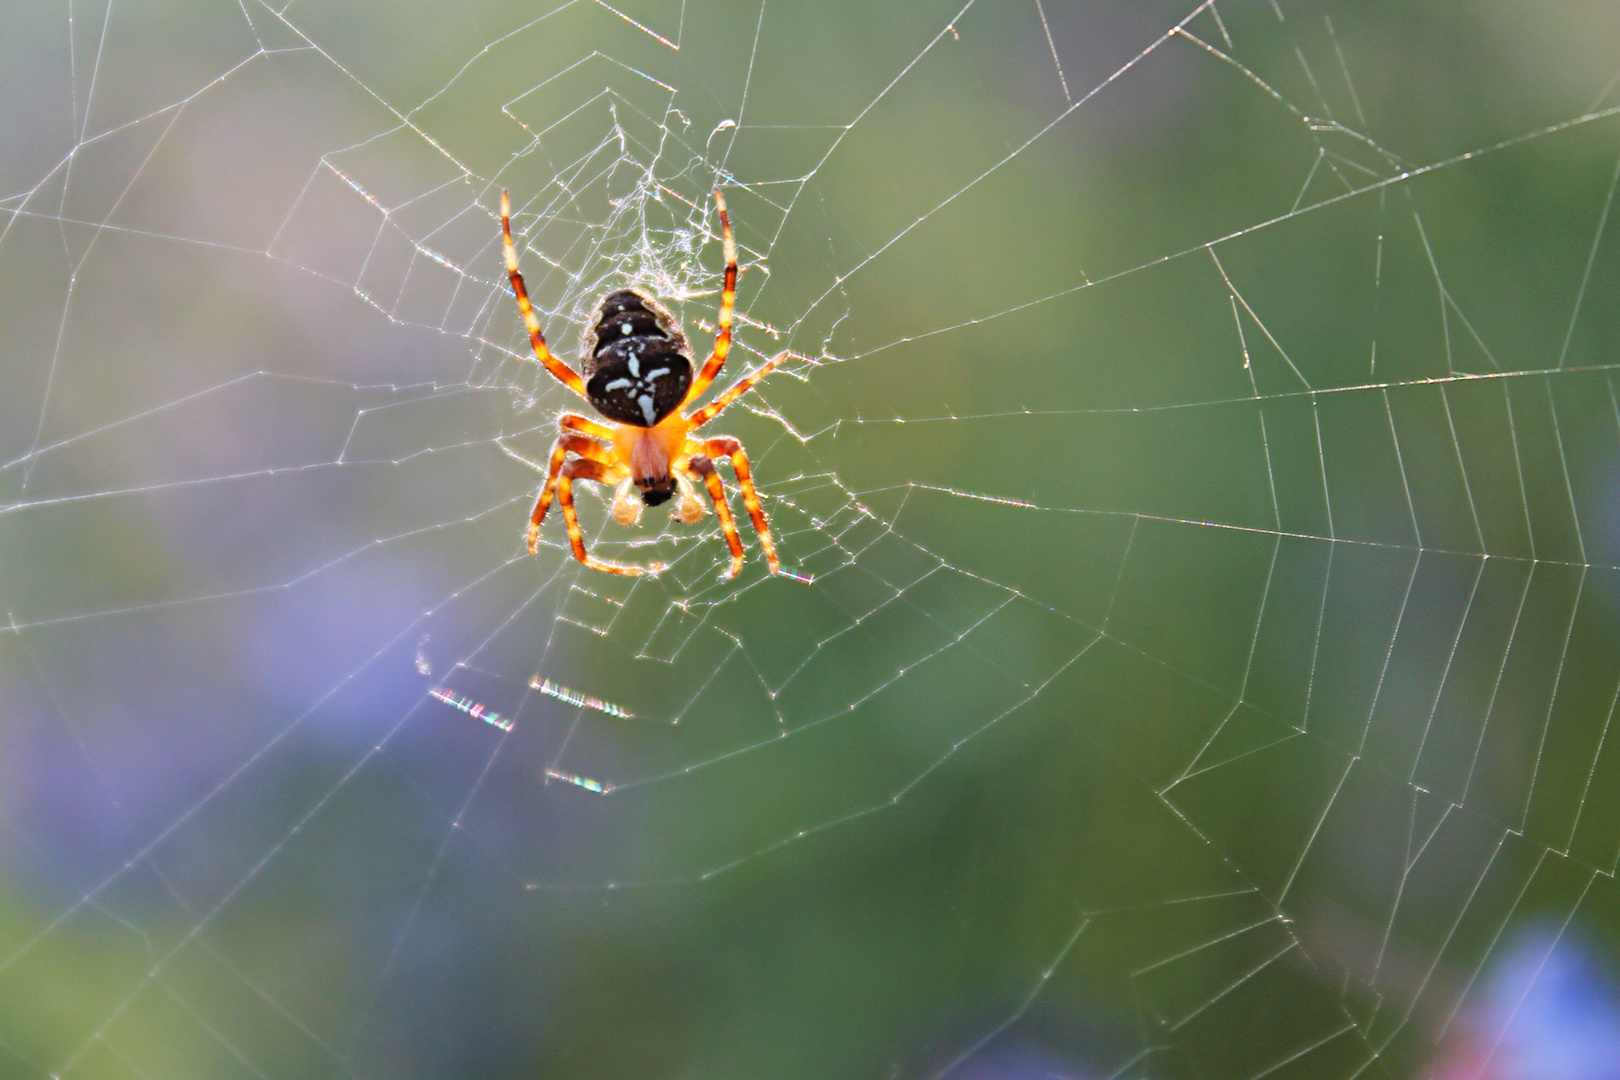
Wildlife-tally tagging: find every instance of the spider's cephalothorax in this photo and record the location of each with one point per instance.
(635, 360)
(636, 370)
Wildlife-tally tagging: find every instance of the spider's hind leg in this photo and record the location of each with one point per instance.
(728, 300)
(537, 338)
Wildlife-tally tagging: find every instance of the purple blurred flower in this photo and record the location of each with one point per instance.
(1550, 1010)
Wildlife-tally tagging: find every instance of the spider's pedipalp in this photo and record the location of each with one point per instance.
(690, 509)
(626, 503)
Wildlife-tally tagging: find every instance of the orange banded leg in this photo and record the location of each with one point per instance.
(580, 469)
(737, 390)
(728, 301)
(577, 444)
(565, 374)
(576, 422)
(703, 467)
(724, 446)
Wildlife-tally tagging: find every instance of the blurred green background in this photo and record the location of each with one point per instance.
(1202, 466)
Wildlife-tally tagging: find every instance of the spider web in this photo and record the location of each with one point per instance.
(1198, 646)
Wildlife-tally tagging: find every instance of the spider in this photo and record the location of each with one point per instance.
(635, 369)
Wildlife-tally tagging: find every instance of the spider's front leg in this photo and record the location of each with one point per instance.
(581, 469)
(626, 507)
(701, 466)
(724, 446)
(576, 444)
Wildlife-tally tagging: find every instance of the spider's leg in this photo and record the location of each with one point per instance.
(724, 446)
(728, 300)
(576, 422)
(733, 392)
(565, 374)
(588, 470)
(577, 444)
(703, 467)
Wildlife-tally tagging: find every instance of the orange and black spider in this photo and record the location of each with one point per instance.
(635, 368)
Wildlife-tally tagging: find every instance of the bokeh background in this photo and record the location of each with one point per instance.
(1198, 481)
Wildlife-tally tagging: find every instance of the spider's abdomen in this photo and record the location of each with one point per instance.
(636, 362)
